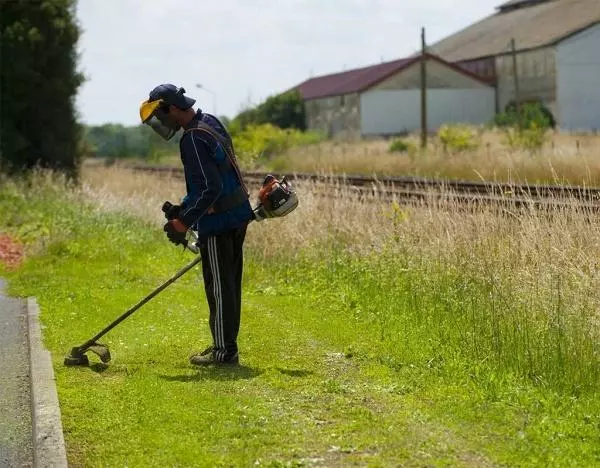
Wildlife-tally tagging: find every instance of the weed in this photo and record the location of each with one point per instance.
(531, 138)
(264, 141)
(457, 138)
(531, 115)
(400, 145)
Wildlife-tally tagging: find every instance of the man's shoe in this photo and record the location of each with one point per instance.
(207, 358)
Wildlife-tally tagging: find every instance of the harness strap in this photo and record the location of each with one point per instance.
(229, 151)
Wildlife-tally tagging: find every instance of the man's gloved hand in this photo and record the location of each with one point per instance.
(176, 231)
(172, 211)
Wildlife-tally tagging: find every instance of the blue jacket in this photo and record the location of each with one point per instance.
(209, 179)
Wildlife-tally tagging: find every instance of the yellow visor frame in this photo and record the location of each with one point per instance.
(148, 108)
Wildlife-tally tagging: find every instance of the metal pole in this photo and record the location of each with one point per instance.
(214, 97)
(157, 291)
(513, 50)
(423, 90)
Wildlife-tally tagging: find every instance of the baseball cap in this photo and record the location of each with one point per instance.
(171, 95)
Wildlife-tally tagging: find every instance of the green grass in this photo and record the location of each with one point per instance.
(346, 360)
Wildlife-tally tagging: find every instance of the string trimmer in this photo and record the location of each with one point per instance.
(277, 198)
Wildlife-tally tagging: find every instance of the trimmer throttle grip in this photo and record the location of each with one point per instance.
(171, 211)
(167, 206)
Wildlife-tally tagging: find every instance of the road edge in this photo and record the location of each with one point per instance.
(48, 440)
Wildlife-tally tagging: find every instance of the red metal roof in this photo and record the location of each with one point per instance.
(351, 81)
(361, 79)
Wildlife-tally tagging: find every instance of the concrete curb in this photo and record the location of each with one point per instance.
(48, 441)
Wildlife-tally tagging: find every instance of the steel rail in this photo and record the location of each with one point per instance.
(400, 185)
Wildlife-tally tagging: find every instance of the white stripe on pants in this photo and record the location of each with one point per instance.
(219, 330)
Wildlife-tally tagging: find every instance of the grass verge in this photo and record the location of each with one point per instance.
(366, 358)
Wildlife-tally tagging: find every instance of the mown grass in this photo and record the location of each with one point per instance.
(378, 336)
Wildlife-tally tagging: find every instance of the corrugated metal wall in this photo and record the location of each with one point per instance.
(399, 111)
(537, 78)
(578, 81)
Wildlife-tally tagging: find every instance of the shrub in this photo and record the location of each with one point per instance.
(532, 115)
(264, 141)
(402, 146)
(526, 129)
(459, 137)
(531, 139)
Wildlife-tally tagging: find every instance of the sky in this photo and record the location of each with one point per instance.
(230, 54)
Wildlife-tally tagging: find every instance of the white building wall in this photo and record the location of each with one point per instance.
(393, 112)
(578, 81)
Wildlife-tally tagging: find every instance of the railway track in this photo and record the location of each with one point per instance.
(423, 190)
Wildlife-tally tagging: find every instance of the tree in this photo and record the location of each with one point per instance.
(283, 110)
(118, 141)
(38, 84)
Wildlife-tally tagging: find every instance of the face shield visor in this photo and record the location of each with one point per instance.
(155, 115)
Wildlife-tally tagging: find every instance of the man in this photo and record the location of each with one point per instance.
(216, 205)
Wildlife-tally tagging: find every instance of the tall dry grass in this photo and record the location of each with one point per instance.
(517, 289)
(532, 249)
(564, 158)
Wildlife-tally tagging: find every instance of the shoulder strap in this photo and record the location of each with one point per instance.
(227, 146)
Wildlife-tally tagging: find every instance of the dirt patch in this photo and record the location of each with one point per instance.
(11, 252)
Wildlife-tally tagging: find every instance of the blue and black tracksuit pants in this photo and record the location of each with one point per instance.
(222, 266)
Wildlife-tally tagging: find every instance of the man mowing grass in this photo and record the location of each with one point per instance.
(216, 206)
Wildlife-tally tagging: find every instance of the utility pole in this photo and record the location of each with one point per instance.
(513, 50)
(423, 90)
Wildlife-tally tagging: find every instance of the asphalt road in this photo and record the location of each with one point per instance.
(16, 448)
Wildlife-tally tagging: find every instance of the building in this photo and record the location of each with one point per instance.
(384, 99)
(558, 56)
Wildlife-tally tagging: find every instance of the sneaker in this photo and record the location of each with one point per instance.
(207, 358)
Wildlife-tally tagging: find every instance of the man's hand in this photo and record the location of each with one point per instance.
(171, 211)
(176, 231)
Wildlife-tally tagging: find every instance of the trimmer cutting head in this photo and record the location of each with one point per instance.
(77, 357)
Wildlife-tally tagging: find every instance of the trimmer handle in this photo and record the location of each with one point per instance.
(166, 208)
(191, 246)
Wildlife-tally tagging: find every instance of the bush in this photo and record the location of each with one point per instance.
(402, 146)
(532, 115)
(531, 139)
(459, 137)
(264, 141)
(527, 129)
